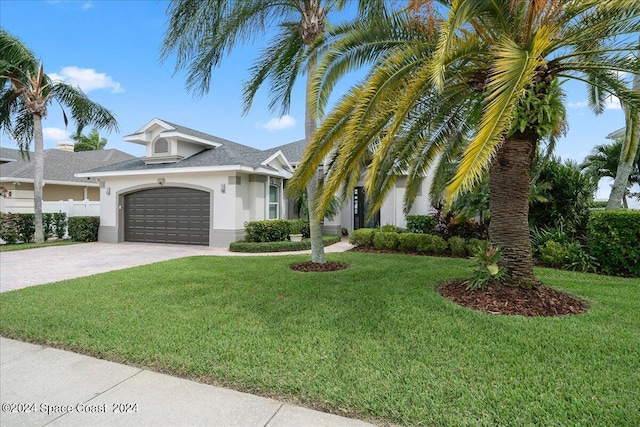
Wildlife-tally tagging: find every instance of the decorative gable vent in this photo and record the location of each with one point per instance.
(161, 146)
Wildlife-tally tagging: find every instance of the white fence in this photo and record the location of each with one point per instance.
(72, 207)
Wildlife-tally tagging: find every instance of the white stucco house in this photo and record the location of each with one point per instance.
(196, 188)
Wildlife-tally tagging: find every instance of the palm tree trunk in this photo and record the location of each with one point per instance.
(621, 181)
(509, 186)
(310, 126)
(38, 177)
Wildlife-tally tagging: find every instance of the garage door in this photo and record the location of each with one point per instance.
(167, 215)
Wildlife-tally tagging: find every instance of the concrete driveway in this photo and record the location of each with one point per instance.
(29, 267)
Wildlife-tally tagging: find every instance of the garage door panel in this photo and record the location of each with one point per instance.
(168, 215)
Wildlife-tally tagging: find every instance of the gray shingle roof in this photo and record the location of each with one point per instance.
(59, 165)
(229, 153)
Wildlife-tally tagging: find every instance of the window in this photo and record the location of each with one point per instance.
(274, 202)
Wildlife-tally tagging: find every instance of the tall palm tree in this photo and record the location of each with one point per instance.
(25, 93)
(202, 32)
(488, 73)
(91, 142)
(629, 149)
(603, 162)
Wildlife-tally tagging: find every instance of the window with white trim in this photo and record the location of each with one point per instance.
(274, 202)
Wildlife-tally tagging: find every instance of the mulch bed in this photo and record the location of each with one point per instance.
(310, 266)
(499, 299)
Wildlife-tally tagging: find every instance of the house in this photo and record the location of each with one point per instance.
(60, 184)
(196, 188)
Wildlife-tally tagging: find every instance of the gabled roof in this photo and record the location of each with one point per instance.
(293, 151)
(59, 165)
(224, 153)
(617, 134)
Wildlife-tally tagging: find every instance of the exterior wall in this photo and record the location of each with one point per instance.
(231, 201)
(20, 199)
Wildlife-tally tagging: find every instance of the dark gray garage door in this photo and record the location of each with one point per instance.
(167, 215)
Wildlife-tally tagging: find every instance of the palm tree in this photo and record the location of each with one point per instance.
(202, 32)
(91, 142)
(25, 93)
(603, 162)
(488, 73)
(629, 149)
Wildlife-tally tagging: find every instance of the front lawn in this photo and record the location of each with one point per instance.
(373, 341)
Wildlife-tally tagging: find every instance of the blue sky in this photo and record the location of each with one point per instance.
(111, 49)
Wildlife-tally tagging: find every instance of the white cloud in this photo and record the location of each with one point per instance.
(275, 124)
(580, 104)
(54, 134)
(87, 78)
(87, 5)
(613, 103)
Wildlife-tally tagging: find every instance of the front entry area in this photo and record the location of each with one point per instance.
(361, 211)
(167, 215)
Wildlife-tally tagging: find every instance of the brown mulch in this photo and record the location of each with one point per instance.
(310, 266)
(499, 299)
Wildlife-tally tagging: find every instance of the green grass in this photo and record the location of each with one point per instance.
(21, 246)
(373, 341)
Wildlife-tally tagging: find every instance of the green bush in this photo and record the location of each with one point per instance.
(408, 242)
(9, 228)
(26, 227)
(458, 246)
(60, 224)
(83, 228)
(273, 230)
(48, 226)
(569, 256)
(385, 240)
(390, 228)
(431, 244)
(474, 245)
(614, 240)
(284, 246)
(362, 237)
(421, 224)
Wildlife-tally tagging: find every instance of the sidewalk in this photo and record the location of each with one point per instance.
(44, 386)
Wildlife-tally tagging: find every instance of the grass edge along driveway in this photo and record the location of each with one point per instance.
(373, 341)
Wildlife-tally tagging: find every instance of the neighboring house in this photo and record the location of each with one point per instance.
(196, 188)
(617, 134)
(60, 184)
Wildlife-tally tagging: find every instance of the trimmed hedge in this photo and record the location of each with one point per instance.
(84, 228)
(614, 240)
(273, 230)
(283, 246)
(20, 227)
(385, 240)
(362, 237)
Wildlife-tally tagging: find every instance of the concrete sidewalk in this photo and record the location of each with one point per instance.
(44, 386)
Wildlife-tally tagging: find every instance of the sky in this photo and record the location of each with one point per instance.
(110, 48)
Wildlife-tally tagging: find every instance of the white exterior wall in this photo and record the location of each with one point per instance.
(229, 209)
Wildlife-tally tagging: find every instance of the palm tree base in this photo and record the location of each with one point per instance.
(498, 298)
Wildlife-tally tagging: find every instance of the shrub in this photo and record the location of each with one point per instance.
(540, 236)
(344, 231)
(60, 224)
(362, 237)
(431, 244)
(390, 228)
(614, 240)
(9, 228)
(486, 268)
(458, 246)
(84, 228)
(299, 226)
(26, 227)
(569, 256)
(274, 230)
(284, 246)
(408, 242)
(473, 245)
(48, 226)
(385, 240)
(421, 224)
